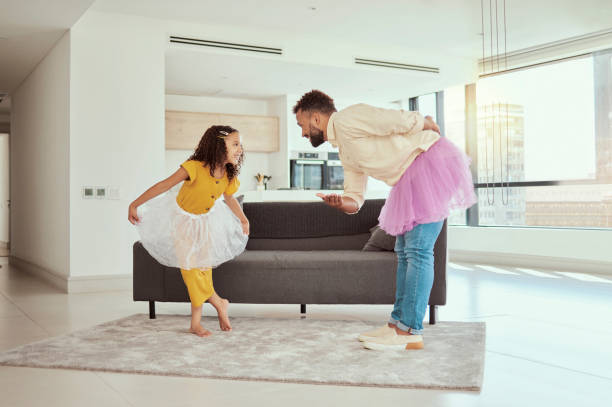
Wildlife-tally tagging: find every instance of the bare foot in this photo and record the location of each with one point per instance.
(224, 321)
(200, 331)
(221, 307)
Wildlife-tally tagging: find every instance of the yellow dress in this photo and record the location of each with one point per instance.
(187, 228)
(197, 195)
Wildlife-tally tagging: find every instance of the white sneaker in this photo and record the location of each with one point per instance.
(376, 333)
(395, 342)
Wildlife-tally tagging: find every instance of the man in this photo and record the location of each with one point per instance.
(384, 144)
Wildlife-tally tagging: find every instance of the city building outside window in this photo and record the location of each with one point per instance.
(541, 144)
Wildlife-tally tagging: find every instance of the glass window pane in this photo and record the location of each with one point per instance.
(495, 209)
(457, 218)
(454, 115)
(537, 124)
(555, 206)
(427, 105)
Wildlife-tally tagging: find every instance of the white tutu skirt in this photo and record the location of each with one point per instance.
(177, 238)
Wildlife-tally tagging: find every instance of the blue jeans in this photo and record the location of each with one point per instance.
(415, 275)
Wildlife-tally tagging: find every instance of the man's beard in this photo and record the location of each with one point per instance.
(316, 137)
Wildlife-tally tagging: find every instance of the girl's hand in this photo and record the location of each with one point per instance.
(133, 214)
(245, 227)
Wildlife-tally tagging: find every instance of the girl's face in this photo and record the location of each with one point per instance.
(233, 145)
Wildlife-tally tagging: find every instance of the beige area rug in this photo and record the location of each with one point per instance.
(283, 350)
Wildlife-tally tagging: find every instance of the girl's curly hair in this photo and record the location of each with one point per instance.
(212, 152)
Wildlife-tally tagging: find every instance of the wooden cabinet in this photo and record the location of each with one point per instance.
(185, 129)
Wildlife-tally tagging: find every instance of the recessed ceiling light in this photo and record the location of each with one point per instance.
(313, 8)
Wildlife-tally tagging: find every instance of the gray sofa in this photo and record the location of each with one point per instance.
(298, 253)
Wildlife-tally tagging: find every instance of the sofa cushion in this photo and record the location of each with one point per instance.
(346, 242)
(328, 260)
(281, 220)
(379, 240)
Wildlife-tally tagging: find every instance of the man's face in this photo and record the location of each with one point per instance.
(308, 122)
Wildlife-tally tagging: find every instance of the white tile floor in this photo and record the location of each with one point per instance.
(548, 343)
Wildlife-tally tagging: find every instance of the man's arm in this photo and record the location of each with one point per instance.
(365, 120)
(344, 203)
(350, 202)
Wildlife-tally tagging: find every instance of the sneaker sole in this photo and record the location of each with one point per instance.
(365, 338)
(408, 346)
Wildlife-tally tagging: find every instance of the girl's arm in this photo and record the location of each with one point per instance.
(157, 189)
(235, 207)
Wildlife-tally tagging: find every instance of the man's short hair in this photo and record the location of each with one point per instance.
(315, 101)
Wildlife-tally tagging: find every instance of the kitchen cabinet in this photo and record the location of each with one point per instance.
(185, 129)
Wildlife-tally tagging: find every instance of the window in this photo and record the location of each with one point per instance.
(427, 105)
(454, 130)
(537, 124)
(541, 144)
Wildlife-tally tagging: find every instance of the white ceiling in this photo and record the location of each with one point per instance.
(420, 28)
(437, 24)
(28, 31)
(400, 31)
(196, 73)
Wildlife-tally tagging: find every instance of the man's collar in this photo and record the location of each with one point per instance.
(331, 134)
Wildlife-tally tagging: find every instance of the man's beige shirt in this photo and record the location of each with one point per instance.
(376, 142)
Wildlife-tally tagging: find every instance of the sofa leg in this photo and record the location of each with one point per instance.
(151, 309)
(302, 308)
(433, 310)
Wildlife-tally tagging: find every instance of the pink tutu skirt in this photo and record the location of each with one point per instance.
(438, 181)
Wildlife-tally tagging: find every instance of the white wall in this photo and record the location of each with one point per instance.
(4, 188)
(278, 163)
(40, 163)
(117, 134)
(253, 163)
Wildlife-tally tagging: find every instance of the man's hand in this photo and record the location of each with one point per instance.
(343, 203)
(430, 125)
(333, 200)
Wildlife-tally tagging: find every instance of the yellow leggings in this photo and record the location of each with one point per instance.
(199, 285)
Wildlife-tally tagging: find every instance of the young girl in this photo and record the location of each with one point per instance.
(186, 228)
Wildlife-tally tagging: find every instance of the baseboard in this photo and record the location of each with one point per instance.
(75, 284)
(531, 261)
(55, 279)
(92, 284)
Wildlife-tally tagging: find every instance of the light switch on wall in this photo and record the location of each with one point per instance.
(112, 193)
(96, 192)
(87, 192)
(100, 193)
